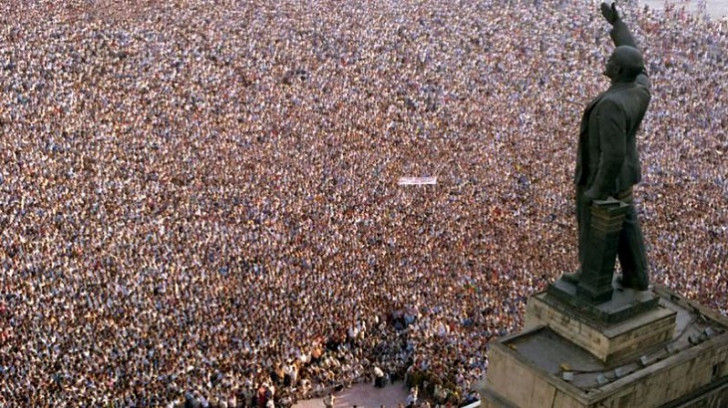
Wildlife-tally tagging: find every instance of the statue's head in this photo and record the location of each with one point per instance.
(625, 63)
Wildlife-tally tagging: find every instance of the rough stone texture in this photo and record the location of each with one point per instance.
(531, 392)
(609, 343)
(526, 369)
(717, 397)
(624, 304)
(491, 399)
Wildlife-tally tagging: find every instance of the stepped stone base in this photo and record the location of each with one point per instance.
(624, 303)
(543, 366)
(609, 342)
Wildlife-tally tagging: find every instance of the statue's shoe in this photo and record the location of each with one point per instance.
(626, 285)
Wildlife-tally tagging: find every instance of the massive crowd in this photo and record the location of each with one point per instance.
(199, 199)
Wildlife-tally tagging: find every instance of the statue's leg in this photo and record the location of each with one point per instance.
(631, 252)
(583, 218)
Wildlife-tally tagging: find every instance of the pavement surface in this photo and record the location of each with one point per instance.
(363, 396)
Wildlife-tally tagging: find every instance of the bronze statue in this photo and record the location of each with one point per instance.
(608, 165)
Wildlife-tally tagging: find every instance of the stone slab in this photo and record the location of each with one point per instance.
(607, 342)
(679, 374)
(489, 398)
(624, 304)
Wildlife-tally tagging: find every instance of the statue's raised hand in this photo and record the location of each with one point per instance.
(610, 12)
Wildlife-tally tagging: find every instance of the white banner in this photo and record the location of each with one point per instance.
(417, 181)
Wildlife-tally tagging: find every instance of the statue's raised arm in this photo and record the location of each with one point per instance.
(627, 50)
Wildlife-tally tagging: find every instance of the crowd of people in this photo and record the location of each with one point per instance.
(199, 199)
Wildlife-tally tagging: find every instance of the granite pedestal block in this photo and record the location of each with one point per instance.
(548, 365)
(612, 331)
(622, 305)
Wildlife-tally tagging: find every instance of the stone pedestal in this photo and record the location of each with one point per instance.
(625, 303)
(609, 339)
(569, 361)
